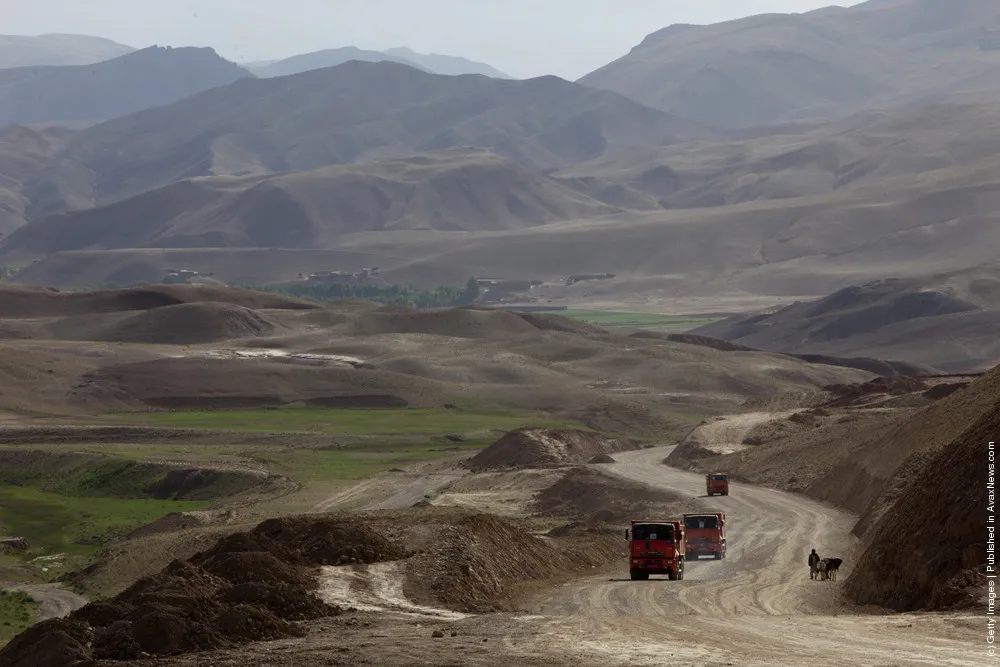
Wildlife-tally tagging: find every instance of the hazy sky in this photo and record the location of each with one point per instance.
(522, 37)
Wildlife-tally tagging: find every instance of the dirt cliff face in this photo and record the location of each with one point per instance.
(928, 550)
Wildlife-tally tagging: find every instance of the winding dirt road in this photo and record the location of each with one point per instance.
(756, 607)
(53, 601)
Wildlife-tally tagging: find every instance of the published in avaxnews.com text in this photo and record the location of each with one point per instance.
(991, 562)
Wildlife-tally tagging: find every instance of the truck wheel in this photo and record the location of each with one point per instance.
(671, 575)
(718, 555)
(638, 576)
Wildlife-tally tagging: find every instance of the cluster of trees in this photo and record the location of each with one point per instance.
(446, 296)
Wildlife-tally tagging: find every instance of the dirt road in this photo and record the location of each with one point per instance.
(54, 602)
(756, 607)
(725, 435)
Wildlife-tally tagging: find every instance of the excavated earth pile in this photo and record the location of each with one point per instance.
(481, 563)
(591, 497)
(252, 586)
(928, 550)
(544, 448)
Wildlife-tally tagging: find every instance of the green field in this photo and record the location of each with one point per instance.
(17, 611)
(607, 318)
(76, 526)
(357, 461)
(349, 422)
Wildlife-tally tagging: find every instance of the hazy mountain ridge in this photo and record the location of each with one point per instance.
(778, 67)
(460, 190)
(113, 88)
(44, 50)
(339, 117)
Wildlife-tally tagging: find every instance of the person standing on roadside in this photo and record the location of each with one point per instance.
(813, 564)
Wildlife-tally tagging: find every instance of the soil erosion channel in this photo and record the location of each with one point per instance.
(755, 607)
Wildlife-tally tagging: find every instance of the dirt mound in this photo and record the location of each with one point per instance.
(538, 448)
(592, 497)
(481, 563)
(331, 542)
(601, 458)
(53, 643)
(456, 323)
(249, 586)
(186, 324)
(924, 553)
(32, 301)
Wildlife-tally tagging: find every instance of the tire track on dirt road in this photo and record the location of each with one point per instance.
(755, 607)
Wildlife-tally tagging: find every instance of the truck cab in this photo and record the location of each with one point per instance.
(717, 483)
(705, 535)
(656, 547)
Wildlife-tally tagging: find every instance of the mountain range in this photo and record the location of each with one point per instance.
(752, 162)
(882, 54)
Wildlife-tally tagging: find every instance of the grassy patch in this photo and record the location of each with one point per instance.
(350, 422)
(86, 477)
(76, 526)
(357, 462)
(17, 612)
(607, 318)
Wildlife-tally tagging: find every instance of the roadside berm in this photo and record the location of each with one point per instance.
(263, 584)
(545, 448)
(253, 586)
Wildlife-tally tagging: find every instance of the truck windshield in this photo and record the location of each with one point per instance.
(719, 478)
(651, 531)
(696, 522)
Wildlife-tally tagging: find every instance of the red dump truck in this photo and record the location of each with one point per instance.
(656, 547)
(705, 535)
(717, 482)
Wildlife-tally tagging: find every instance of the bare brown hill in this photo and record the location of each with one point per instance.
(459, 190)
(802, 247)
(774, 67)
(181, 324)
(929, 549)
(946, 321)
(57, 358)
(32, 301)
(25, 51)
(132, 82)
(805, 161)
(338, 115)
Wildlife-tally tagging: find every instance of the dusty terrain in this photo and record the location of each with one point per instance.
(758, 603)
(203, 347)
